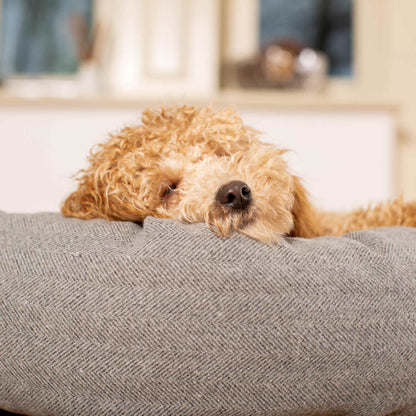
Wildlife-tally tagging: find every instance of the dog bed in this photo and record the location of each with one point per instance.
(100, 318)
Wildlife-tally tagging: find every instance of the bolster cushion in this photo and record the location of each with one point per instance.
(100, 318)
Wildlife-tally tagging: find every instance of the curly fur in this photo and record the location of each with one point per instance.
(172, 165)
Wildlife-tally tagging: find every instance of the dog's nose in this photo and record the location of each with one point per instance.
(236, 195)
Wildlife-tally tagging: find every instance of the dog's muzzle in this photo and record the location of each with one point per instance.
(236, 195)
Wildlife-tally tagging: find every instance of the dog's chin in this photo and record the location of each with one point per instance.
(224, 221)
(260, 232)
(250, 222)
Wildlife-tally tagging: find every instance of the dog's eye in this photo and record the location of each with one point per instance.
(169, 189)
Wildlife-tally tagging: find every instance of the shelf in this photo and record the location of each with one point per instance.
(264, 99)
(301, 100)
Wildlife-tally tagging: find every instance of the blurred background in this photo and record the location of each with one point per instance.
(334, 80)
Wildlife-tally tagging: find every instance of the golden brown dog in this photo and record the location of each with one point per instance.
(197, 165)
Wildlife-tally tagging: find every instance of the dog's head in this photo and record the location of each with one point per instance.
(195, 166)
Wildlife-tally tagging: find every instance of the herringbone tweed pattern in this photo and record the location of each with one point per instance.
(101, 318)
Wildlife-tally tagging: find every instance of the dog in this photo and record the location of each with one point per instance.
(198, 165)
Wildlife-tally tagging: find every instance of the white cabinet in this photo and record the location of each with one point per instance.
(345, 157)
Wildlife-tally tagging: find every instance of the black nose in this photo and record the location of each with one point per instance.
(236, 195)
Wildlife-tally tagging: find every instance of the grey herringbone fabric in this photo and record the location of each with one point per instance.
(102, 318)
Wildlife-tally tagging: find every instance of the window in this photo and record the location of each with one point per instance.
(44, 36)
(325, 25)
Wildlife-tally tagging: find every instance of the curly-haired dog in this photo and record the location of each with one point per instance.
(197, 165)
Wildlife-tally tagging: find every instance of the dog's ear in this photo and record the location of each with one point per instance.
(101, 194)
(104, 187)
(91, 199)
(304, 215)
(83, 203)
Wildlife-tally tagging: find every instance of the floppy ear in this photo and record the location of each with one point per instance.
(83, 203)
(91, 199)
(101, 193)
(304, 215)
(105, 185)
